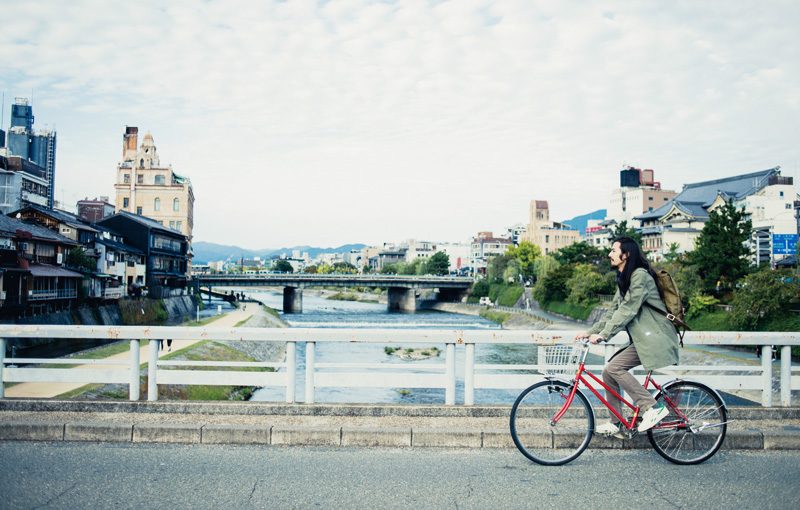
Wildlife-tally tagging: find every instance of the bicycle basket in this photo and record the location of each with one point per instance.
(560, 359)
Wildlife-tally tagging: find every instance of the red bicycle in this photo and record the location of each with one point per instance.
(552, 421)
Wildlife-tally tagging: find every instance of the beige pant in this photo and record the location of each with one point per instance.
(616, 375)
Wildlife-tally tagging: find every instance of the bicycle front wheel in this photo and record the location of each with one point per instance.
(536, 434)
(695, 427)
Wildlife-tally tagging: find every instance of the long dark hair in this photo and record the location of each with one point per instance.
(635, 259)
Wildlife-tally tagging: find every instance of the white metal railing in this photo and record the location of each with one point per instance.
(741, 376)
(114, 292)
(38, 295)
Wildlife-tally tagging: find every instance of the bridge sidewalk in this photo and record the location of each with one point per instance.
(51, 389)
(326, 425)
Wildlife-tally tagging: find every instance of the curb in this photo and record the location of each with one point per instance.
(300, 409)
(786, 439)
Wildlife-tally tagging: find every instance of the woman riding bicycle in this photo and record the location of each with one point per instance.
(654, 340)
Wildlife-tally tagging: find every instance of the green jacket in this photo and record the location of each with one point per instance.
(655, 337)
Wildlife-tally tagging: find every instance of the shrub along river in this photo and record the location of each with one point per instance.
(319, 312)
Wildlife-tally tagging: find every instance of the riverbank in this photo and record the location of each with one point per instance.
(509, 318)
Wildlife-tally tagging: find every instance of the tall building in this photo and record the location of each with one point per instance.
(38, 147)
(638, 193)
(22, 183)
(147, 188)
(549, 236)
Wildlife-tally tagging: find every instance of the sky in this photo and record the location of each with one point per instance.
(330, 122)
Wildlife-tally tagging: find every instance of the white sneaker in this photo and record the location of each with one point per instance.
(652, 416)
(610, 429)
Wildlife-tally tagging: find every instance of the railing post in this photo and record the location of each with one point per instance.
(766, 374)
(291, 371)
(450, 375)
(786, 375)
(2, 366)
(152, 371)
(310, 372)
(133, 390)
(469, 375)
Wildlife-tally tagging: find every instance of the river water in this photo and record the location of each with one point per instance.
(323, 313)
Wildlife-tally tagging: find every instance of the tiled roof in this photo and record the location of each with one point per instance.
(696, 197)
(119, 246)
(10, 226)
(144, 220)
(65, 217)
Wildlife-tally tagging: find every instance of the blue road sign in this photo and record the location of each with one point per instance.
(784, 244)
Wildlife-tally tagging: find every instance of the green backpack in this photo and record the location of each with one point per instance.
(672, 300)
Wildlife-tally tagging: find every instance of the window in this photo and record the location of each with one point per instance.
(141, 163)
(139, 211)
(780, 194)
(176, 205)
(159, 180)
(140, 179)
(649, 199)
(178, 225)
(172, 225)
(157, 204)
(126, 178)
(125, 202)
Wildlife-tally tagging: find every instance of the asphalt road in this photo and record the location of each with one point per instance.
(148, 476)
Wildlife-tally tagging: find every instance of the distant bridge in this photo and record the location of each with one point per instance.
(402, 288)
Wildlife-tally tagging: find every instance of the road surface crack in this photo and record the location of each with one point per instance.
(664, 497)
(54, 498)
(255, 484)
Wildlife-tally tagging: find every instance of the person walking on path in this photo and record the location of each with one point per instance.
(654, 340)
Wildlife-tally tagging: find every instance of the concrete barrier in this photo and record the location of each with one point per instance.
(166, 433)
(236, 434)
(99, 431)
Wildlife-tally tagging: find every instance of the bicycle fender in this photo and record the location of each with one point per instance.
(709, 388)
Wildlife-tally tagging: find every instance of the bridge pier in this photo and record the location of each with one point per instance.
(402, 300)
(451, 295)
(292, 300)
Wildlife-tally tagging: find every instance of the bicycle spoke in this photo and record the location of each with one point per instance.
(683, 439)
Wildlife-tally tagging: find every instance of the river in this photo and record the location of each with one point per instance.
(319, 312)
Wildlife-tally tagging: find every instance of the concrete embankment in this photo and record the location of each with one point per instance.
(752, 428)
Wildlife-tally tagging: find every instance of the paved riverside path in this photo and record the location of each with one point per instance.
(96, 475)
(52, 389)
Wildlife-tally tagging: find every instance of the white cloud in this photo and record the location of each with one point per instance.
(343, 121)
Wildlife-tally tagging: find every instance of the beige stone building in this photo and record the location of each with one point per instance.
(147, 188)
(549, 236)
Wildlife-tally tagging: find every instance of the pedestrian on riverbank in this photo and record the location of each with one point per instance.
(653, 338)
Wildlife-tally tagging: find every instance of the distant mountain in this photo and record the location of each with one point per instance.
(205, 252)
(580, 222)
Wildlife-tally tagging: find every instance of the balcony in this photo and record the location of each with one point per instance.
(114, 293)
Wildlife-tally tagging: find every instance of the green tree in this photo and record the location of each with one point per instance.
(720, 254)
(583, 253)
(78, 258)
(513, 272)
(763, 295)
(623, 230)
(344, 267)
(672, 254)
(438, 264)
(480, 289)
(544, 265)
(389, 269)
(497, 267)
(282, 266)
(586, 283)
(312, 269)
(526, 254)
(553, 286)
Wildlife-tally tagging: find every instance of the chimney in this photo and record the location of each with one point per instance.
(130, 141)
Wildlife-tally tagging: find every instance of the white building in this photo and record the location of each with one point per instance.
(767, 197)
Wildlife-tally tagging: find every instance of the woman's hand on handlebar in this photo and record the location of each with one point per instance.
(582, 335)
(596, 339)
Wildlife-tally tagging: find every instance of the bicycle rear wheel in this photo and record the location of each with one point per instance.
(543, 441)
(695, 427)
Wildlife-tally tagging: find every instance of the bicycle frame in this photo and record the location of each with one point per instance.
(629, 425)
